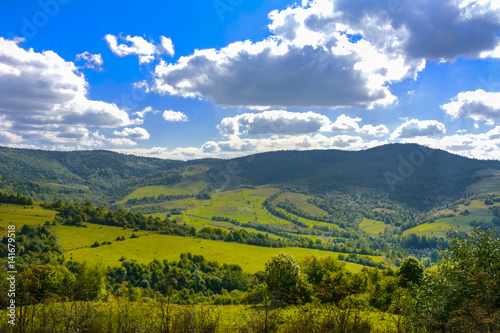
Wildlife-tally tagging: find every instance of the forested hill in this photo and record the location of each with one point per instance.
(97, 175)
(409, 173)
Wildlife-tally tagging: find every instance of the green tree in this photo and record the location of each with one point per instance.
(283, 278)
(412, 271)
(463, 293)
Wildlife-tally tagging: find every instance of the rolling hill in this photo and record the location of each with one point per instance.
(408, 173)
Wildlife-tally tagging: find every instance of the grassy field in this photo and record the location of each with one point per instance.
(478, 213)
(193, 181)
(77, 242)
(301, 201)
(21, 215)
(154, 246)
(441, 226)
(374, 227)
(490, 183)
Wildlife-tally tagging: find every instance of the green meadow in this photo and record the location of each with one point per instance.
(21, 215)
(77, 243)
(192, 182)
(148, 247)
(489, 183)
(374, 227)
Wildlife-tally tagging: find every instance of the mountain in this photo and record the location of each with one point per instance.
(408, 173)
(95, 175)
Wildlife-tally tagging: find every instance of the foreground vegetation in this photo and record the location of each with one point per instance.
(461, 294)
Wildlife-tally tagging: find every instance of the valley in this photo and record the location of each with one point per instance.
(204, 233)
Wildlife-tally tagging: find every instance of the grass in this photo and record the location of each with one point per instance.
(490, 183)
(148, 247)
(72, 237)
(21, 215)
(192, 182)
(77, 241)
(301, 201)
(374, 227)
(441, 226)
(145, 314)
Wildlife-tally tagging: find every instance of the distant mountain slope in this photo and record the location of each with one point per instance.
(409, 173)
(94, 175)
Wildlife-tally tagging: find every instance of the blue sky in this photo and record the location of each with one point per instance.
(225, 78)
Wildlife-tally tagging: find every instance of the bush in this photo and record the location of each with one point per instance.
(463, 293)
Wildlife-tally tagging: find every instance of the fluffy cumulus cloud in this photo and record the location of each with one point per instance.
(136, 133)
(170, 115)
(379, 130)
(418, 128)
(480, 146)
(281, 122)
(120, 142)
(273, 122)
(334, 53)
(235, 146)
(44, 99)
(92, 61)
(345, 124)
(426, 29)
(478, 105)
(136, 45)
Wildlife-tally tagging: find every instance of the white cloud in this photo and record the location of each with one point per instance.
(136, 133)
(170, 115)
(142, 114)
(235, 146)
(167, 45)
(379, 130)
(345, 124)
(44, 98)
(281, 122)
(478, 105)
(7, 138)
(418, 128)
(92, 61)
(425, 29)
(480, 146)
(146, 51)
(340, 53)
(273, 122)
(122, 142)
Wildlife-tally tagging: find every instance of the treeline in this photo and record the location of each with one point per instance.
(293, 209)
(15, 199)
(225, 219)
(155, 199)
(365, 261)
(192, 279)
(414, 241)
(281, 214)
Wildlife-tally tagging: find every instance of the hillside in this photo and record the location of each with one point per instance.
(98, 176)
(420, 177)
(409, 173)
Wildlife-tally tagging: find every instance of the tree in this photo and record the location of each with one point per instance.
(412, 271)
(463, 293)
(283, 278)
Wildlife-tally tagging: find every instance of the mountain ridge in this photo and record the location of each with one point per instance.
(408, 173)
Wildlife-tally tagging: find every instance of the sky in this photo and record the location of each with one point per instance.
(225, 78)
